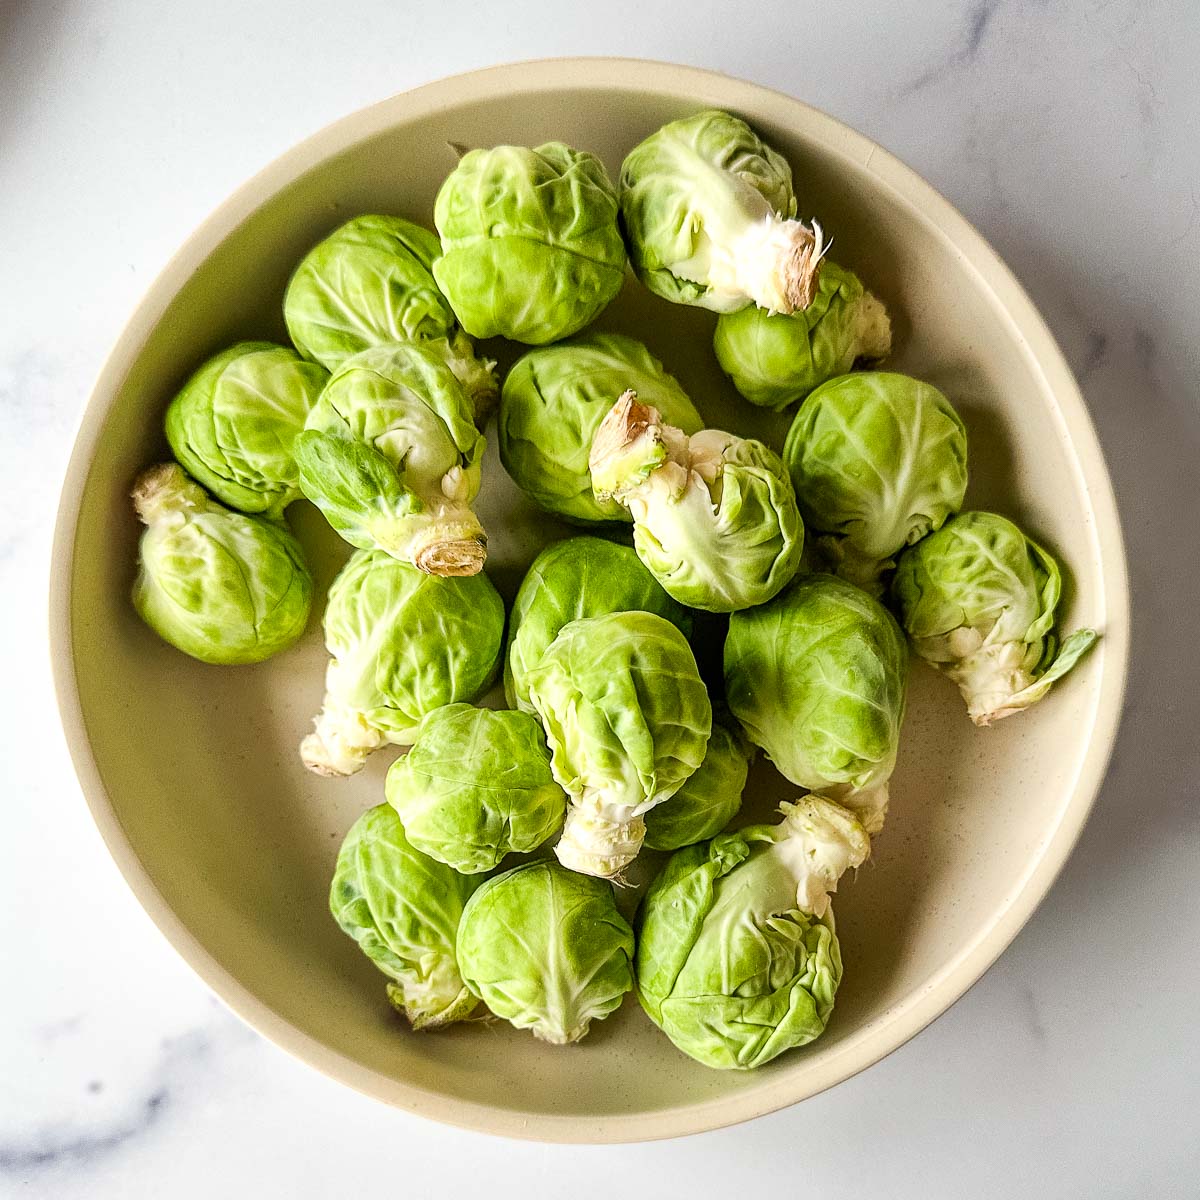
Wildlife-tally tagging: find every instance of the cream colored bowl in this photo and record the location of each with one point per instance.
(191, 771)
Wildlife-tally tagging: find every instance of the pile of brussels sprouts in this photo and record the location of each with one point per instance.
(612, 740)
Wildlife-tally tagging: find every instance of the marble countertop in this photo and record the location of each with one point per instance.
(1069, 133)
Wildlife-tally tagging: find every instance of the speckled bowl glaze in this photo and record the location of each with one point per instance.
(191, 771)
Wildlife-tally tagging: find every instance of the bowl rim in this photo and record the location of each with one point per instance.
(879, 1037)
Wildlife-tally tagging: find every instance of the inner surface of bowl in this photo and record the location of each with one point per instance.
(193, 771)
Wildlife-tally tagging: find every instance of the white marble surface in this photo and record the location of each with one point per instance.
(1070, 134)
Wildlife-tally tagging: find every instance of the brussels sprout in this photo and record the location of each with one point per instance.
(579, 577)
(218, 585)
(369, 283)
(710, 796)
(775, 360)
(233, 425)
(391, 457)
(817, 679)
(403, 909)
(401, 644)
(714, 515)
(737, 956)
(547, 950)
(531, 249)
(708, 212)
(878, 461)
(552, 404)
(476, 786)
(627, 718)
(978, 600)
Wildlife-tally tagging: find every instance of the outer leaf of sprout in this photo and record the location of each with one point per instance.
(978, 600)
(531, 247)
(627, 719)
(547, 950)
(552, 404)
(402, 643)
(476, 786)
(714, 515)
(737, 956)
(221, 586)
(577, 577)
(403, 909)
(233, 424)
(775, 360)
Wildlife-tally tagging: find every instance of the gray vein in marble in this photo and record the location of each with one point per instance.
(60, 1144)
(56, 1148)
(1147, 97)
(1033, 1016)
(54, 1030)
(1186, 231)
(978, 19)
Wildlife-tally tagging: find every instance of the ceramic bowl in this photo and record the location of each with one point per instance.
(191, 771)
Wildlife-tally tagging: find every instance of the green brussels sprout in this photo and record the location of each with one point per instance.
(737, 958)
(714, 515)
(710, 796)
(547, 950)
(233, 425)
(401, 643)
(709, 212)
(403, 909)
(776, 359)
(552, 404)
(369, 283)
(578, 577)
(627, 718)
(391, 456)
(878, 461)
(978, 600)
(476, 786)
(531, 249)
(817, 679)
(218, 585)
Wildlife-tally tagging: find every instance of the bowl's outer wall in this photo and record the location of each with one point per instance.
(191, 770)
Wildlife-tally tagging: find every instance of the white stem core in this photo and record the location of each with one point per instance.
(990, 677)
(341, 741)
(598, 838)
(820, 841)
(773, 262)
(869, 805)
